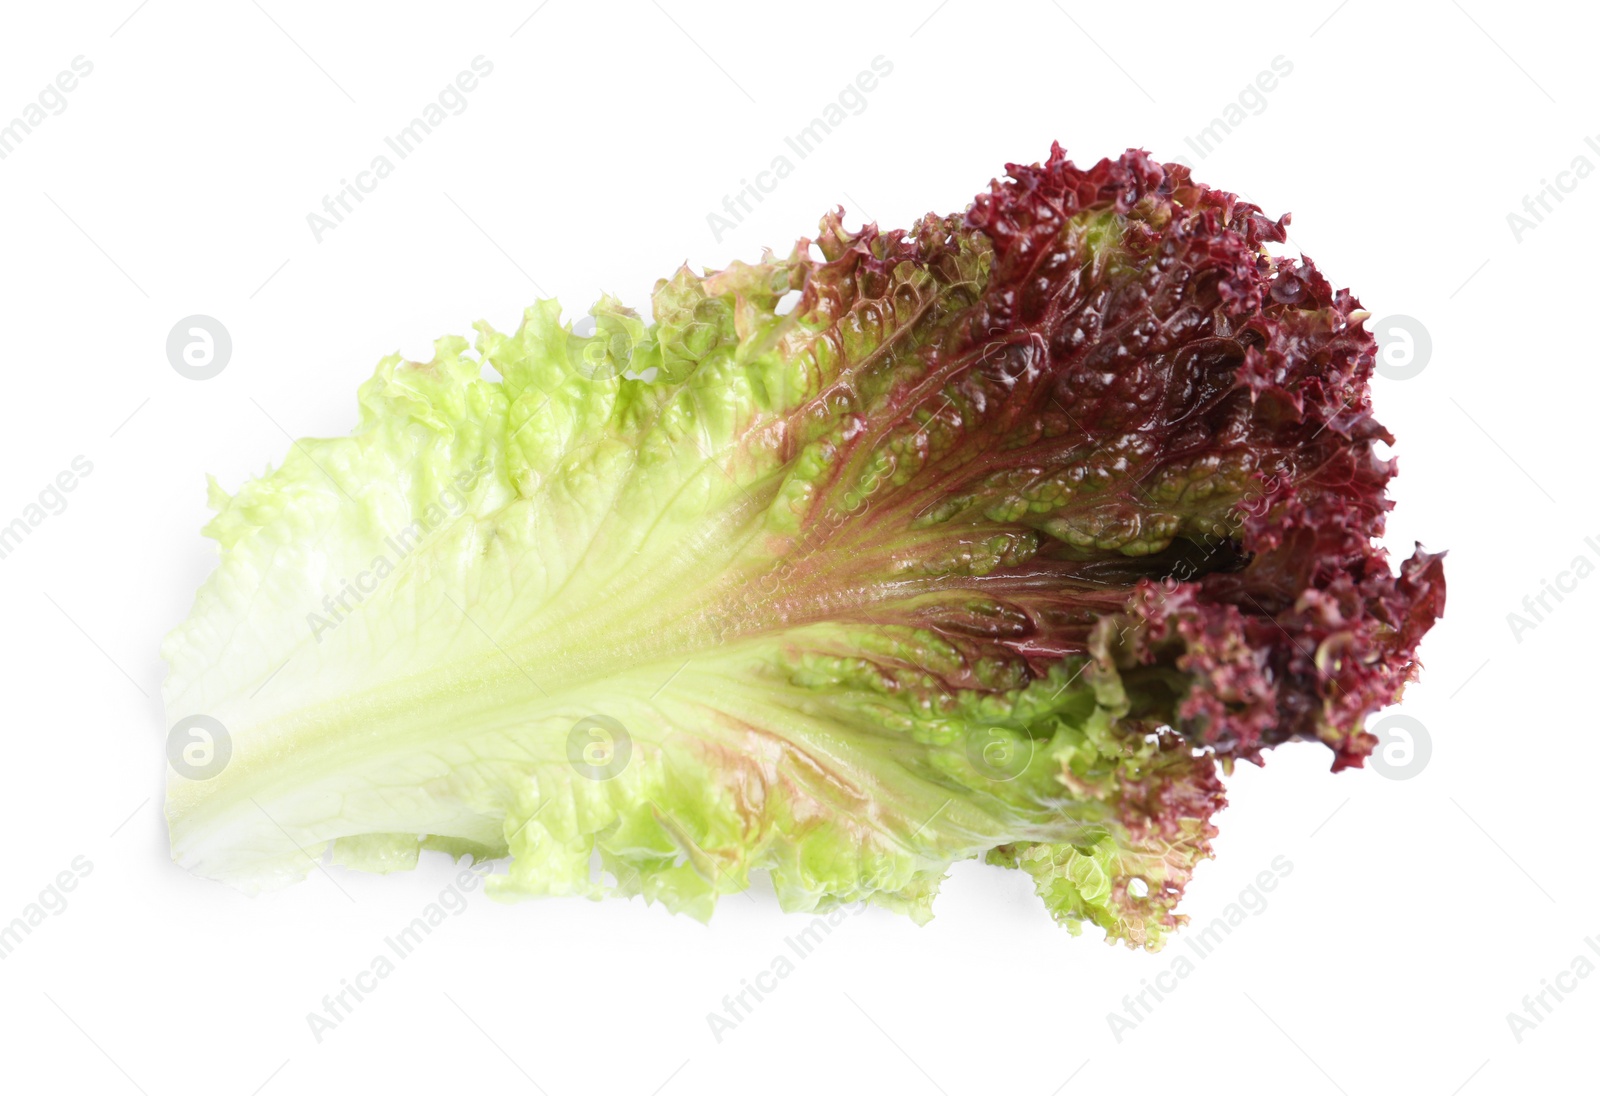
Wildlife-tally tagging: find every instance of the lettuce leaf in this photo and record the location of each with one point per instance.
(994, 538)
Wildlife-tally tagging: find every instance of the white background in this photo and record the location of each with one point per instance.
(177, 181)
